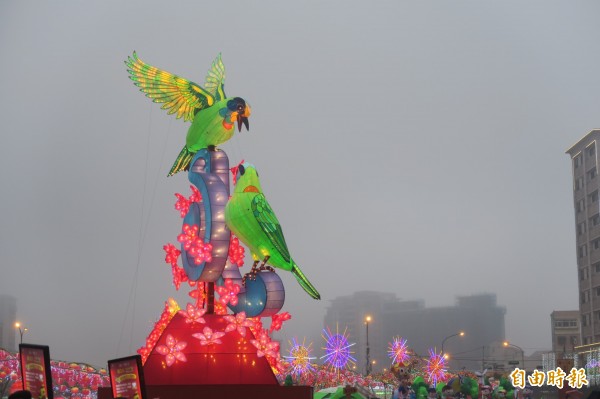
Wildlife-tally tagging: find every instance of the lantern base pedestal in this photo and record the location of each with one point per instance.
(249, 391)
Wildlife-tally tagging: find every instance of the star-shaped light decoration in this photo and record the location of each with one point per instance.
(193, 314)
(172, 350)
(398, 350)
(435, 369)
(238, 322)
(228, 293)
(209, 337)
(278, 319)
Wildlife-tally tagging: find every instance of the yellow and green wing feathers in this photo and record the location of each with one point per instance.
(215, 79)
(178, 95)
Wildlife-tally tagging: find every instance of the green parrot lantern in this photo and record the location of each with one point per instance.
(212, 114)
(250, 217)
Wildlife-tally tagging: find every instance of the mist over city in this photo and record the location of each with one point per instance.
(411, 150)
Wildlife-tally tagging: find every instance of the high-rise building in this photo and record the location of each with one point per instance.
(586, 186)
(8, 314)
(478, 316)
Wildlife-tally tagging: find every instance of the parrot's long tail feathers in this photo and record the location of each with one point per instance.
(308, 287)
(182, 162)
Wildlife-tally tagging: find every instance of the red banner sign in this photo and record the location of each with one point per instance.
(126, 377)
(35, 369)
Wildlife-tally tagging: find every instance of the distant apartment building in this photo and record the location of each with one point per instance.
(478, 316)
(348, 314)
(8, 314)
(586, 186)
(565, 330)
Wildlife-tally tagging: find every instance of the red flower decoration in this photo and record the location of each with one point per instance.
(236, 251)
(228, 293)
(172, 254)
(172, 350)
(188, 236)
(278, 319)
(196, 196)
(179, 276)
(195, 246)
(182, 204)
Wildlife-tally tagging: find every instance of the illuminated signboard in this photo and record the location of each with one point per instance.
(127, 377)
(35, 369)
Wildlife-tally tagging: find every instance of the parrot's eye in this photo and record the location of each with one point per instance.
(242, 170)
(240, 108)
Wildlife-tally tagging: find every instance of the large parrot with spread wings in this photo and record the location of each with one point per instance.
(250, 217)
(212, 114)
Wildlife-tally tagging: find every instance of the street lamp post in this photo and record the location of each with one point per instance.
(368, 367)
(21, 330)
(506, 344)
(460, 333)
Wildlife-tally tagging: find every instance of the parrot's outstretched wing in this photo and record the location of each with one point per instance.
(269, 224)
(215, 79)
(179, 95)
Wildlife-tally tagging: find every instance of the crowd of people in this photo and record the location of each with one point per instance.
(484, 388)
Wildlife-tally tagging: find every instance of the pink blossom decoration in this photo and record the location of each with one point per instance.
(264, 345)
(193, 314)
(208, 336)
(237, 322)
(172, 350)
(197, 248)
(228, 293)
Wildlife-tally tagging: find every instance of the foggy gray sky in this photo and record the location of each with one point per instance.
(407, 147)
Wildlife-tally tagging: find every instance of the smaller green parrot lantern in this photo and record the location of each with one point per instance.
(250, 217)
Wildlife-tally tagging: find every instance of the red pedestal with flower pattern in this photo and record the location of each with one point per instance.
(232, 361)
